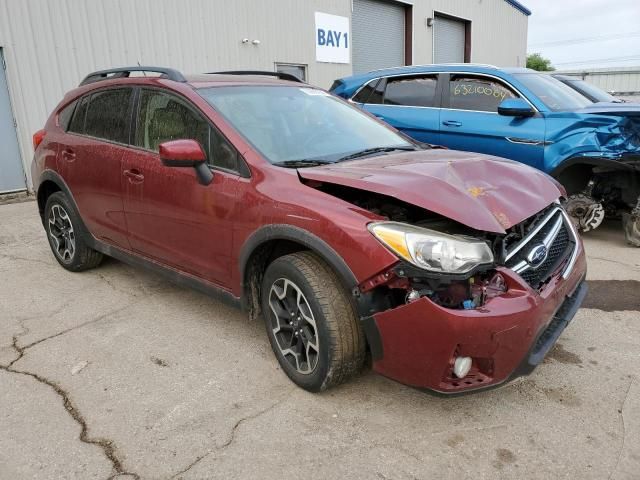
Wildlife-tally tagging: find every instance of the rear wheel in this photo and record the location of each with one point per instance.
(312, 327)
(66, 239)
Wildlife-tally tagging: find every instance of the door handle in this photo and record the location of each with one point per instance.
(452, 123)
(68, 155)
(134, 175)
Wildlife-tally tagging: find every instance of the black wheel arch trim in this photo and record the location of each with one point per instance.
(312, 242)
(52, 176)
(593, 162)
(291, 233)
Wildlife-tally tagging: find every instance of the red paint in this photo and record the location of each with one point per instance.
(128, 198)
(483, 192)
(420, 338)
(183, 151)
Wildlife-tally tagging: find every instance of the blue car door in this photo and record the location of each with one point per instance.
(470, 121)
(407, 102)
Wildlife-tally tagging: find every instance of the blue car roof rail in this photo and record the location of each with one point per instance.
(483, 65)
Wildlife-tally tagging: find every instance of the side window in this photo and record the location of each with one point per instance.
(223, 154)
(164, 117)
(77, 122)
(64, 117)
(411, 91)
(471, 92)
(108, 115)
(371, 93)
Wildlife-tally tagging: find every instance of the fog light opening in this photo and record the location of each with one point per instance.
(461, 366)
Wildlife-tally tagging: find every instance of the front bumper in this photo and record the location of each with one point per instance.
(506, 338)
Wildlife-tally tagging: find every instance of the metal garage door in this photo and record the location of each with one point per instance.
(449, 38)
(11, 174)
(378, 35)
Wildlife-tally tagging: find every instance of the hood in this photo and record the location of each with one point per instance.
(485, 193)
(611, 108)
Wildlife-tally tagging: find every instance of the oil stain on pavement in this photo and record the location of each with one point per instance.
(613, 295)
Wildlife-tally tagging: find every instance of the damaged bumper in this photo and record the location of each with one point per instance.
(417, 343)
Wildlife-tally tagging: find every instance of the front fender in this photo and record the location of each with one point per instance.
(595, 139)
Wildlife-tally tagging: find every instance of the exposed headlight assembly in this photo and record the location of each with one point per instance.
(431, 250)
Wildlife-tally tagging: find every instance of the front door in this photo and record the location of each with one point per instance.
(171, 217)
(469, 121)
(11, 171)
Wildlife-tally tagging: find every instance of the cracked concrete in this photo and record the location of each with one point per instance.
(173, 384)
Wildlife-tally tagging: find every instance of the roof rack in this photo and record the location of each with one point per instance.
(437, 65)
(280, 75)
(125, 72)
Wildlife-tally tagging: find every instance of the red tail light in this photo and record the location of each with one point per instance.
(37, 138)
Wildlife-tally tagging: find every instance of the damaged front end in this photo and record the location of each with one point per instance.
(463, 309)
(600, 167)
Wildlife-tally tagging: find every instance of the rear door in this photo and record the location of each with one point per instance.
(171, 217)
(470, 120)
(409, 103)
(90, 160)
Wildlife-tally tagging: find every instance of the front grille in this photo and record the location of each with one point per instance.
(554, 233)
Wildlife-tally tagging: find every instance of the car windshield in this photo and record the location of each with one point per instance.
(293, 125)
(552, 92)
(592, 92)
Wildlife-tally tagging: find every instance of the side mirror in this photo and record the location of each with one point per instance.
(186, 153)
(515, 107)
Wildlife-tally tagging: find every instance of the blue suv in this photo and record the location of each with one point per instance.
(593, 149)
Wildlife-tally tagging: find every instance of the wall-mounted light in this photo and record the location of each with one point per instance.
(256, 42)
(245, 40)
(430, 22)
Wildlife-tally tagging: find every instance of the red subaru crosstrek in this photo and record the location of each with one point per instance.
(453, 271)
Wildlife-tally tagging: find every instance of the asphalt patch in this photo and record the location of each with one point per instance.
(613, 295)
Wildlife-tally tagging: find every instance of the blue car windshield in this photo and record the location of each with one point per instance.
(557, 96)
(289, 124)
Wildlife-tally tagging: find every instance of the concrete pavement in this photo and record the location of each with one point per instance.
(115, 373)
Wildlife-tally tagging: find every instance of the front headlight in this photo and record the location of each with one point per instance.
(431, 250)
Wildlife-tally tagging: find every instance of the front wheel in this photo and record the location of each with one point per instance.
(311, 324)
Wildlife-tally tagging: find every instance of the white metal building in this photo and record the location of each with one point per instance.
(48, 46)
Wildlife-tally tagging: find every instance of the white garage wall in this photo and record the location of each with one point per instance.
(498, 30)
(50, 45)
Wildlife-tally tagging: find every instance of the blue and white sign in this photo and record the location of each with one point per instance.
(333, 38)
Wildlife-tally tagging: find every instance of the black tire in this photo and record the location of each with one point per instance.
(340, 339)
(81, 256)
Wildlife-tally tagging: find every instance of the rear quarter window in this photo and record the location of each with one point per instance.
(77, 122)
(65, 115)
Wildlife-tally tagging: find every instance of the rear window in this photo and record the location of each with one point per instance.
(108, 115)
(411, 91)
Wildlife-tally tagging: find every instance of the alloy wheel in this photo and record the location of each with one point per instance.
(294, 326)
(62, 233)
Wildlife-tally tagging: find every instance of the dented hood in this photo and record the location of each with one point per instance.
(485, 193)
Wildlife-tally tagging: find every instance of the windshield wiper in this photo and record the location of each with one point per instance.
(371, 151)
(304, 162)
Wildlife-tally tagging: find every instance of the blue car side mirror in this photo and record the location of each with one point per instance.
(515, 107)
